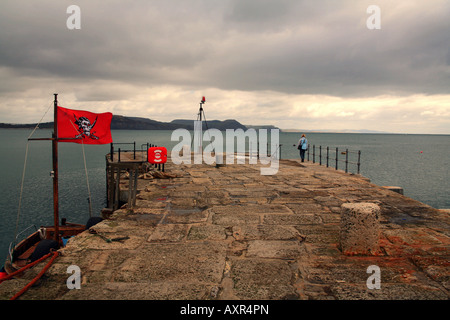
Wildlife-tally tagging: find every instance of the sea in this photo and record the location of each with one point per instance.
(417, 163)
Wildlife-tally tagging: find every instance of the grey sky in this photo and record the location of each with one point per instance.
(295, 64)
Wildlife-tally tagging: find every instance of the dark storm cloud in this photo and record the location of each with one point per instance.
(311, 47)
(332, 51)
(266, 61)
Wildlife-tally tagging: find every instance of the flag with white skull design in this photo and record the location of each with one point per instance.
(84, 126)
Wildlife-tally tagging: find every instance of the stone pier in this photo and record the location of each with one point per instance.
(227, 232)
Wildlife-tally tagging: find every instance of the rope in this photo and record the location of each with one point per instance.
(32, 282)
(86, 172)
(21, 192)
(87, 180)
(24, 170)
(11, 275)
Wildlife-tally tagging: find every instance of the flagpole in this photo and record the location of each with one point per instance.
(55, 169)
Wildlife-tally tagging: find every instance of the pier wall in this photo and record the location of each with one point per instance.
(228, 232)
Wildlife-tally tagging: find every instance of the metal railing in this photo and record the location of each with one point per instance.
(344, 152)
(143, 152)
(121, 150)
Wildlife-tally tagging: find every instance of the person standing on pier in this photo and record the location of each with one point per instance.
(302, 146)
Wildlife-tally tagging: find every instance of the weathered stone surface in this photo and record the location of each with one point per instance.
(265, 232)
(231, 233)
(207, 232)
(193, 262)
(360, 230)
(291, 219)
(169, 233)
(276, 249)
(262, 279)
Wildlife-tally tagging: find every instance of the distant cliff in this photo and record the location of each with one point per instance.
(135, 123)
(212, 124)
(25, 126)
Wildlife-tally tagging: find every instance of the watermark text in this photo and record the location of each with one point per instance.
(220, 148)
(74, 20)
(374, 281)
(373, 22)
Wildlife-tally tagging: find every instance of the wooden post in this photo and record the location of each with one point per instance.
(117, 189)
(133, 200)
(55, 169)
(111, 186)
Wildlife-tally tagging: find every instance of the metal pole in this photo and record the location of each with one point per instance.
(359, 160)
(257, 151)
(320, 155)
(328, 153)
(346, 160)
(336, 158)
(200, 138)
(314, 153)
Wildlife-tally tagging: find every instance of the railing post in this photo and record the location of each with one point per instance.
(119, 154)
(257, 150)
(112, 152)
(346, 160)
(320, 155)
(328, 151)
(314, 153)
(337, 152)
(308, 150)
(359, 160)
(134, 150)
(117, 189)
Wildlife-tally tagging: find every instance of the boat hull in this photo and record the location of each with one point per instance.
(21, 254)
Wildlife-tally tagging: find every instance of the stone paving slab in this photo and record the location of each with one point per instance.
(231, 233)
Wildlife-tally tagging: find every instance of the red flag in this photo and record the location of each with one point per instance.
(84, 126)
